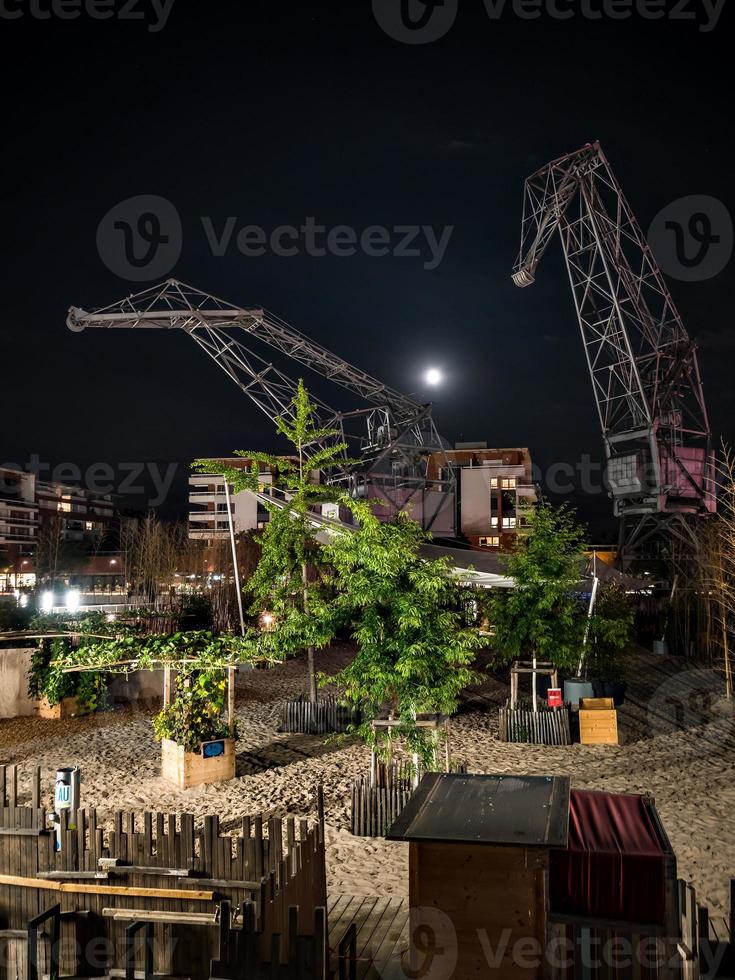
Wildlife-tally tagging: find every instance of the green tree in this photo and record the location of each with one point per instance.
(291, 580)
(542, 617)
(405, 614)
(611, 629)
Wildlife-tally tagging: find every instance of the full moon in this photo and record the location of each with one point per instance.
(433, 376)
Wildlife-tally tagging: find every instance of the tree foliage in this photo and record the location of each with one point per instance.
(404, 612)
(541, 616)
(291, 580)
(611, 630)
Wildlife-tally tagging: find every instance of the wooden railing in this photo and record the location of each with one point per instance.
(170, 870)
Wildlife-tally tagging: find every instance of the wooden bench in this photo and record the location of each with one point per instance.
(154, 915)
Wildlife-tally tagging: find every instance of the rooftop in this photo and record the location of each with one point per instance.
(525, 811)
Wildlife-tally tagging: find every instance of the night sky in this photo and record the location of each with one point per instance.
(273, 113)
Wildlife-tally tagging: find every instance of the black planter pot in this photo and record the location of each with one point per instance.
(611, 689)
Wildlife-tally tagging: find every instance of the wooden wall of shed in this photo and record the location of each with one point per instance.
(494, 897)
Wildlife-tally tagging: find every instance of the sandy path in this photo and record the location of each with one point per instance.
(678, 742)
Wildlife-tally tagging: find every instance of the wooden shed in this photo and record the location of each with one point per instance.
(478, 870)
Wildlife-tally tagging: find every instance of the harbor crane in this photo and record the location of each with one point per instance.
(643, 365)
(394, 438)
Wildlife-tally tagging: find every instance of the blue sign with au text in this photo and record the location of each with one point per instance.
(212, 750)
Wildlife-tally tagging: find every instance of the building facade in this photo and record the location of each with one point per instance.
(495, 489)
(45, 526)
(18, 528)
(208, 518)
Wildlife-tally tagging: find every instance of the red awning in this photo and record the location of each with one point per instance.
(614, 865)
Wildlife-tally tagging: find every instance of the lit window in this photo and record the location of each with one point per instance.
(509, 483)
(490, 542)
(493, 482)
(509, 522)
(493, 522)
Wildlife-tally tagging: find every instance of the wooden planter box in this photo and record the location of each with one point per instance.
(187, 769)
(66, 708)
(598, 721)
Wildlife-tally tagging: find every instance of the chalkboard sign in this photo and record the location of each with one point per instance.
(213, 750)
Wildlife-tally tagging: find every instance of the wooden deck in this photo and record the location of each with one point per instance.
(382, 932)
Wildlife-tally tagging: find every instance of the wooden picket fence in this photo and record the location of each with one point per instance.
(317, 718)
(172, 872)
(546, 726)
(378, 800)
(291, 957)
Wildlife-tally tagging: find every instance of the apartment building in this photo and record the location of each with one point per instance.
(74, 513)
(18, 528)
(208, 520)
(494, 490)
(40, 519)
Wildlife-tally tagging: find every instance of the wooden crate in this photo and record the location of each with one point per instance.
(192, 769)
(66, 708)
(598, 721)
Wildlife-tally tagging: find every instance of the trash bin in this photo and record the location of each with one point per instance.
(67, 789)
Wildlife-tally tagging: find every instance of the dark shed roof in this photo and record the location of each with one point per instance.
(526, 811)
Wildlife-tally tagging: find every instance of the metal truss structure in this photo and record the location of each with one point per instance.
(643, 366)
(394, 438)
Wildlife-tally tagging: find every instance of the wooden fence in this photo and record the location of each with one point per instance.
(546, 726)
(317, 718)
(303, 957)
(378, 800)
(171, 871)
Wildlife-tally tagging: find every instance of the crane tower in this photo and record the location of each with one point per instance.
(643, 366)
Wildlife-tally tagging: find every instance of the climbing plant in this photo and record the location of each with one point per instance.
(197, 712)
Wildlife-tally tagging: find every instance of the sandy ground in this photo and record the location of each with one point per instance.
(677, 741)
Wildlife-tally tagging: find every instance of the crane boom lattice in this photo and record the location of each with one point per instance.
(642, 363)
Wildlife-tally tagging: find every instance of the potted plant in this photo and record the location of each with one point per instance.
(60, 695)
(197, 744)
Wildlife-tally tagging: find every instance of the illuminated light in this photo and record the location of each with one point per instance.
(72, 600)
(268, 621)
(433, 377)
(113, 561)
(47, 602)
(23, 601)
